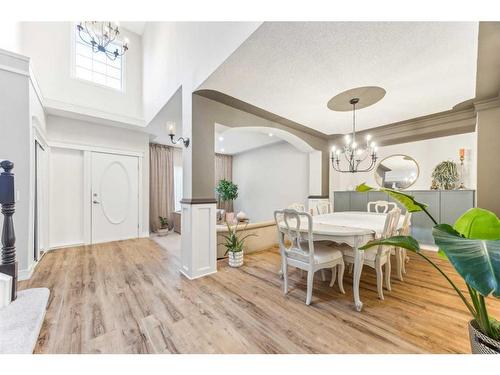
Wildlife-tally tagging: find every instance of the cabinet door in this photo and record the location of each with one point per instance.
(421, 224)
(341, 201)
(358, 201)
(454, 203)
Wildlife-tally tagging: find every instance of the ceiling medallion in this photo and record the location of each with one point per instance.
(351, 157)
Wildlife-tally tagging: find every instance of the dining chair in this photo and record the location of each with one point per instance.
(302, 252)
(323, 208)
(381, 207)
(297, 207)
(378, 256)
(399, 252)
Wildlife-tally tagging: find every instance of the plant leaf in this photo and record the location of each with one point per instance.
(406, 242)
(477, 261)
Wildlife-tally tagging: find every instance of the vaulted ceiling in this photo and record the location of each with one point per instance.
(292, 69)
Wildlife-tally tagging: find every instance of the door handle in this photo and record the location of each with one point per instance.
(96, 202)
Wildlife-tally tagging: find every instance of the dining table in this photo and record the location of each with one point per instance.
(353, 228)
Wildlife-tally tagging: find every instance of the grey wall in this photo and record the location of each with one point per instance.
(206, 113)
(16, 145)
(270, 178)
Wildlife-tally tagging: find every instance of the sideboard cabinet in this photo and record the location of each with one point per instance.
(445, 206)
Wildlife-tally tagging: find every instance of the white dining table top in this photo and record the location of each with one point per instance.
(349, 223)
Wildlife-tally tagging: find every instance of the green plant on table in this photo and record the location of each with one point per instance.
(472, 246)
(227, 190)
(234, 241)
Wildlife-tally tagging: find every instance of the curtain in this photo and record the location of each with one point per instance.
(161, 184)
(224, 171)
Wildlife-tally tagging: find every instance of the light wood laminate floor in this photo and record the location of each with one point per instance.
(128, 297)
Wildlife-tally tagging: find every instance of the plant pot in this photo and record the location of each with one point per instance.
(163, 232)
(480, 343)
(235, 258)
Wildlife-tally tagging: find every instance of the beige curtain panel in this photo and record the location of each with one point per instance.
(224, 171)
(161, 184)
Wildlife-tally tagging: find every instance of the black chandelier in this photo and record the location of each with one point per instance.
(353, 154)
(100, 35)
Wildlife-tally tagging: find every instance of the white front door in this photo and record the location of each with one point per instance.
(115, 197)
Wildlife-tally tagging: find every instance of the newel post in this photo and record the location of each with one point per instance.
(7, 201)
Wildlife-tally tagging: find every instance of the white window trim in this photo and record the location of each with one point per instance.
(91, 83)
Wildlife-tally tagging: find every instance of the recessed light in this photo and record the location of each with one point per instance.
(270, 134)
(221, 138)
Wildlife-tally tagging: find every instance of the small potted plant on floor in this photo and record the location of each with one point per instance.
(227, 191)
(472, 245)
(234, 244)
(164, 229)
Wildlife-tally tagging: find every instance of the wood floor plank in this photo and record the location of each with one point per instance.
(129, 297)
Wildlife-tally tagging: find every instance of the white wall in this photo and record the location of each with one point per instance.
(86, 134)
(270, 178)
(49, 45)
(185, 54)
(66, 198)
(428, 153)
(9, 35)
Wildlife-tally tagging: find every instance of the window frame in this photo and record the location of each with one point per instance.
(73, 41)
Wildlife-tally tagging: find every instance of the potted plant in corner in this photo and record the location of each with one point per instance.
(234, 244)
(472, 245)
(227, 191)
(164, 229)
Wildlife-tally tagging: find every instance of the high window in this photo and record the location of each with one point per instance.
(96, 67)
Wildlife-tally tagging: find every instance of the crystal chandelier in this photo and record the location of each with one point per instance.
(100, 36)
(352, 153)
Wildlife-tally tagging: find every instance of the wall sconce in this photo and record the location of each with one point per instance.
(171, 134)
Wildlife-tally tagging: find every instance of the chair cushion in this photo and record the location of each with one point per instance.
(323, 253)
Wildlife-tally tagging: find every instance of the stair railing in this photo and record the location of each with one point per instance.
(8, 263)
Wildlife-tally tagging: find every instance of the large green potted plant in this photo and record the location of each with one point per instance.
(234, 244)
(226, 191)
(472, 245)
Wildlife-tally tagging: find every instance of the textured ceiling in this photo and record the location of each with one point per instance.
(293, 68)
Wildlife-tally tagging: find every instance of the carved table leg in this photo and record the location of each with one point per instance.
(359, 257)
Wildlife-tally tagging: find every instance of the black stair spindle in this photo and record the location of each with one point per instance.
(7, 201)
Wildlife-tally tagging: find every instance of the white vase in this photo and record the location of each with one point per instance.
(235, 258)
(241, 216)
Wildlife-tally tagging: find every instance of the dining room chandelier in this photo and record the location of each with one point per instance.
(352, 152)
(102, 37)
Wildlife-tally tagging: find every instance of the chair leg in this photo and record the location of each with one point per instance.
(351, 267)
(284, 269)
(323, 277)
(380, 275)
(399, 262)
(403, 261)
(341, 268)
(334, 275)
(310, 282)
(388, 274)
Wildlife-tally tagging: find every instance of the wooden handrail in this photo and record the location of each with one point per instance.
(7, 201)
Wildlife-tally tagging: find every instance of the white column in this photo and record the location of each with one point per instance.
(199, 239)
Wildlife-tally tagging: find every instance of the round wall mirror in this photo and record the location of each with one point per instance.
(397, 172)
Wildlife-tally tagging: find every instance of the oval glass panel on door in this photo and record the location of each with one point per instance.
(115, 197)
